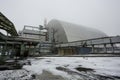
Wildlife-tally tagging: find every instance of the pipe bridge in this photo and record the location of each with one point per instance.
(97, 45)
(89, 42)
(7, 25)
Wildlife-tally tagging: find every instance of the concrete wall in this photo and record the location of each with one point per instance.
(66, 51)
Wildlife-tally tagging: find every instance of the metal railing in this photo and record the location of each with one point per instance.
(89, 42)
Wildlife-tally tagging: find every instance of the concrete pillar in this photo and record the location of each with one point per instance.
(112, 45)
(63, 51)
(22, 49)
(29, 49)
(105, 48)
(67, 51)
(12, 53)
(58, 51)
(34, 50)
(71, 51)
(93, 49)
(0, 50)
(3, 50)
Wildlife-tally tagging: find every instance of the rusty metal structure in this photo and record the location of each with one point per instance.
(7, 25)
(13, 44)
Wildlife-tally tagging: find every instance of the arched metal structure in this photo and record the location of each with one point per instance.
(7, 25)
(67, 32)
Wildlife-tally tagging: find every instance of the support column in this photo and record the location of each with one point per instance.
(22, 46)
(29, 50)
(105, 49)
(4, 50)
(34, 51)
(62, 52)
(112, 45)
(93, 49)
(0, 50)
(59, 51)
(12, 54)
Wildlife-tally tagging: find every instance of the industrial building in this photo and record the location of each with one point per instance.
(37, 33)
(33, 33)
(77, 39)
(55, 37)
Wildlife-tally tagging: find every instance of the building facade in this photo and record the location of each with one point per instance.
(33, 33)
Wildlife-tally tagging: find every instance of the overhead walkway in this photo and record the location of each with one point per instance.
(97, 45)
(89, 42)
(11, 39)
(7, 25)
(17, 46)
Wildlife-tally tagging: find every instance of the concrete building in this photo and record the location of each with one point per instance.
(60, 31)
(33, 33)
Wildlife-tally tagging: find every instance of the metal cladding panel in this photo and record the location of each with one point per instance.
(78, 43)
(72, 44)
(116, 39)
(107, 40)
(101, 41)
(31, 32)
(89, 42)
(64, 45)
(73, 32)
(59, 32)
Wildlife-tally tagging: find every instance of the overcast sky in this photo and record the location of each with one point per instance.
(100, 14)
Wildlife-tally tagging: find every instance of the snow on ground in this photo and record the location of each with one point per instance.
(15, 75)
(102, 65)
(107, 66)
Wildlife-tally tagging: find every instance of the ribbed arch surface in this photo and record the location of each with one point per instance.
(55, 27)
(69, 32)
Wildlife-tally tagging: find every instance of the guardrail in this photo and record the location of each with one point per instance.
(89, 42)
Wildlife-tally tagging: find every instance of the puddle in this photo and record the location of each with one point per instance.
(48, 61)
(84, 69)
(39, 58)
(61, 68)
